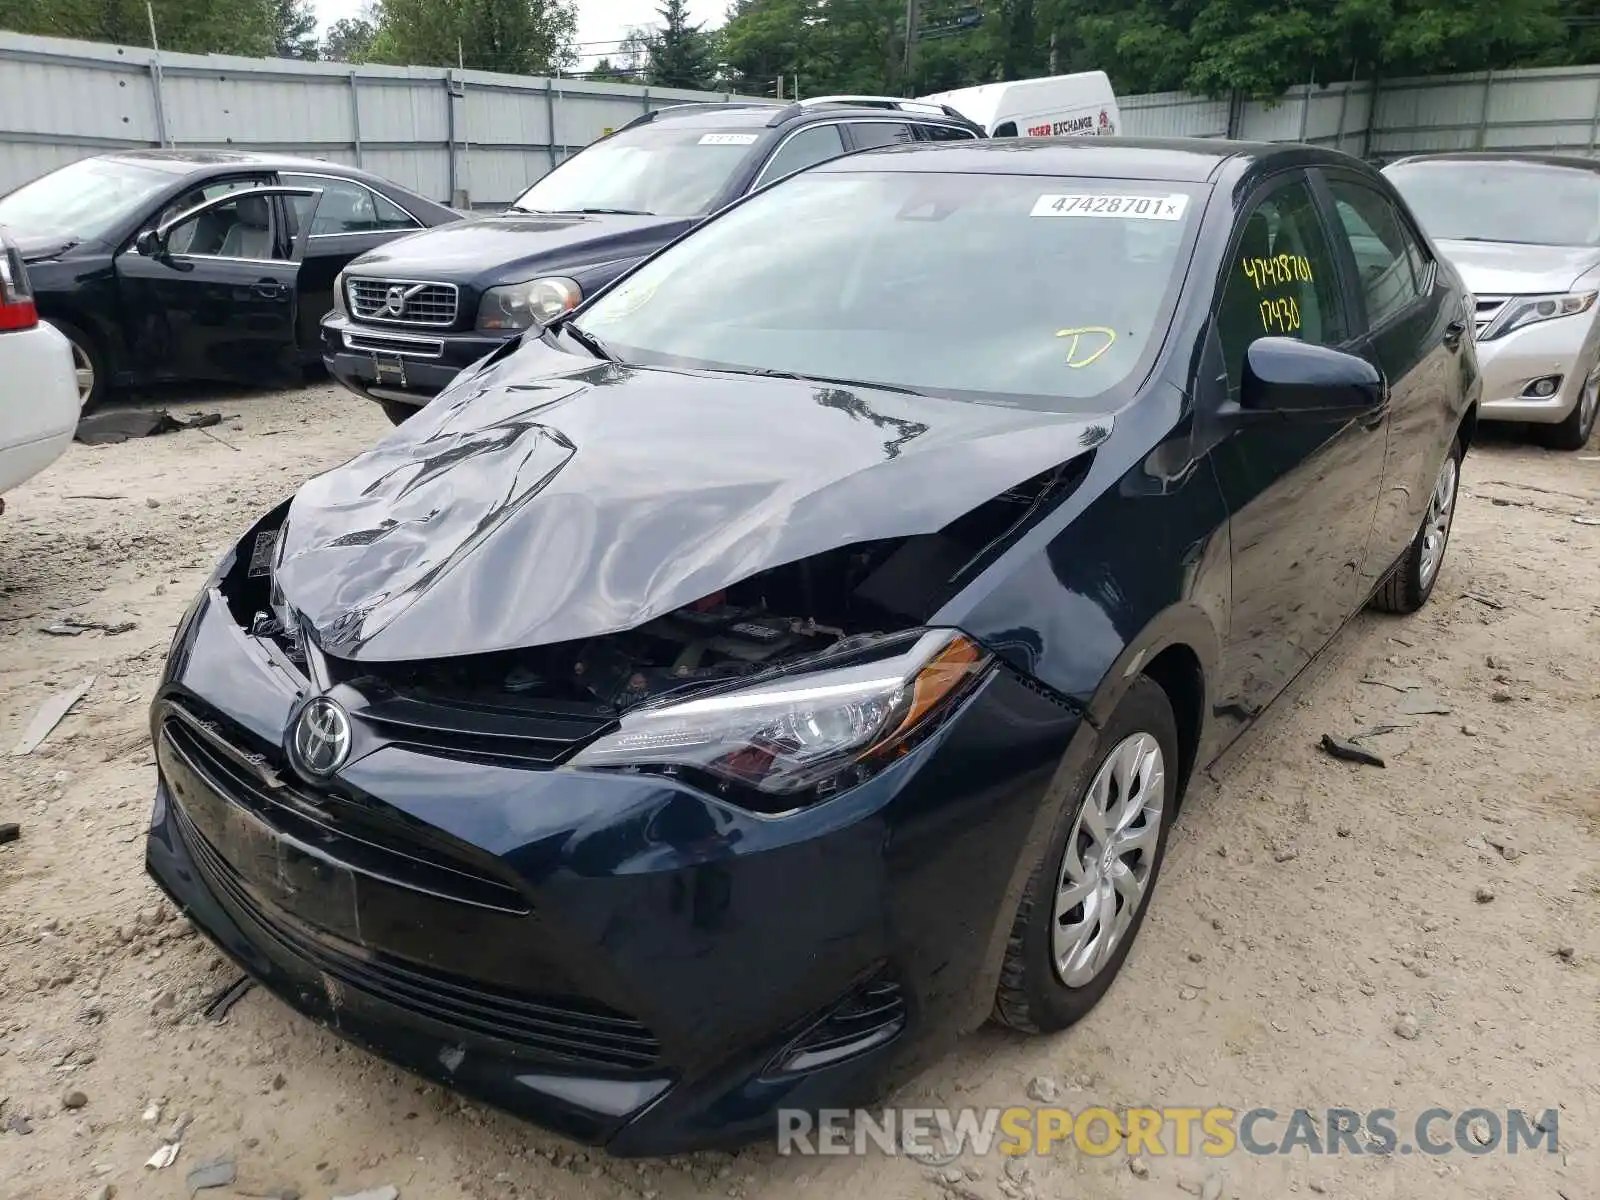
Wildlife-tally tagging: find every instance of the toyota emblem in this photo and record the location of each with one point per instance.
(321, 738)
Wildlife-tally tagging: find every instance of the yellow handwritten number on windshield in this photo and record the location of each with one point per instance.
(1081, 354)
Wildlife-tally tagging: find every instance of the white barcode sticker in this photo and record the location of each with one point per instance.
(1137, 208)
(729, 139)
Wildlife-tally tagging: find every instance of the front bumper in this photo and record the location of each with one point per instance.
(406, 365)
(621, 958)
(1508, 365)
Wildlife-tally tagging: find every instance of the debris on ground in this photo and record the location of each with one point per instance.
(387, 1192)
(1484, 895)
(119, 424)
(1350, 751)
(1406, 1027)
(1422, 704)
(49, 716)
(216, 1011)
(1504, 843)
(164, 1157)
(1566, 953)
(74, 1099)
(10, 831)
(1043, 1090)
(217, 1173)
(73, 626)
(20, 1123)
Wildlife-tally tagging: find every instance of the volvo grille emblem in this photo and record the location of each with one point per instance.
(321, 737)
(394, 304)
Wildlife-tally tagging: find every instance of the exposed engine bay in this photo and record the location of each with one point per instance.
(780, 615)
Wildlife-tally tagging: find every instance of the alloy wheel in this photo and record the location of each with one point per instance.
(1436, 525)
(1588, 404)
(1109, 859)
(83, 369)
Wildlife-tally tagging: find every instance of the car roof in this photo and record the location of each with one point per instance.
(722, 115)
(753, 114)
(1180, 160)
(1578, 162)
(195, 162)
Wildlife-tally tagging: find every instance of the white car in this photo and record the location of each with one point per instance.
(1524, 232)
(38, 384)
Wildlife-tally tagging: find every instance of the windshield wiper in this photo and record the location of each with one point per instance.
(610, 212)
(589, 342)
(769, 373)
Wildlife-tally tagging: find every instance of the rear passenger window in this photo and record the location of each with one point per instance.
(804, 149)
(1389, 263)
(1280, 280)
(869, 135)
(946, 133)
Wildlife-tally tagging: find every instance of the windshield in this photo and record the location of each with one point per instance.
(86, 199)
(1499, 201)
(1018, 289)
(655, 169)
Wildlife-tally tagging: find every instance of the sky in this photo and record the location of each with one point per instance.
(602, 24)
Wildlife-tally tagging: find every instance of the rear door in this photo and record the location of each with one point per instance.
(1301, 491)
(216, 299)
(1408, 313)
(345, 221)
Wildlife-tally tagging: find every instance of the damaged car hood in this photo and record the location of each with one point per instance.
(548, 499)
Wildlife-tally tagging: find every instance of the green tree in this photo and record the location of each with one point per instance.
(608, 72)
(294, 29)
(197, 26)
(349, 39)
(678, 54)
(519, 37)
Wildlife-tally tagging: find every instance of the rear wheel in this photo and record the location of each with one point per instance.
(1411, 580)
(1086, 901)
(88, 365)
(1573, 433)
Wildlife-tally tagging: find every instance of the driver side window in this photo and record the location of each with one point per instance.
(244, 228)
(1280, 280)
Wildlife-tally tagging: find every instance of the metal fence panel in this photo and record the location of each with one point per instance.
(456, 136)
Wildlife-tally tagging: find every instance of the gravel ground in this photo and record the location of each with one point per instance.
(1325, 934)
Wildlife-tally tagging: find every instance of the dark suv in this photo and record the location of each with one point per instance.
(409, 316)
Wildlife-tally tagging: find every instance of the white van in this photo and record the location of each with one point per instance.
(1081, 105)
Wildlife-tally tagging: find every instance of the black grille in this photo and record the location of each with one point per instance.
(566, 1030)
(364, 836)
(456, 728)
(403, 302)
(870, 1016)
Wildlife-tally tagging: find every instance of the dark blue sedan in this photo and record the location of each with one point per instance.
(797, 654)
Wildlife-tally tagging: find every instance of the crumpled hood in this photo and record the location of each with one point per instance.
(1517, 269)
(507, 249)
(543, 501)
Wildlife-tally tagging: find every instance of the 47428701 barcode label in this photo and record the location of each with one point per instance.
(1132, 208)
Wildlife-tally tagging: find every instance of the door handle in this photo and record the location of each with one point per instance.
(268, 289)
(1453, 333)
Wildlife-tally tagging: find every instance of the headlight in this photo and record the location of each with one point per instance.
(523, 305)
(813, 730)
(341, 304)
(1528, 310)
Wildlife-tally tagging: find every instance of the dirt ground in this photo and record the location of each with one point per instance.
(1308, 905)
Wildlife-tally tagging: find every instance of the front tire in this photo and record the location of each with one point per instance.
(1086, 901)
(1411, 580)
(1573, 433)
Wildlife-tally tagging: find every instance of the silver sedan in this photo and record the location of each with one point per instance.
(1524, 232)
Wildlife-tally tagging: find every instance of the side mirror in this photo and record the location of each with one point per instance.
(150, 244)
(1286, 375)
